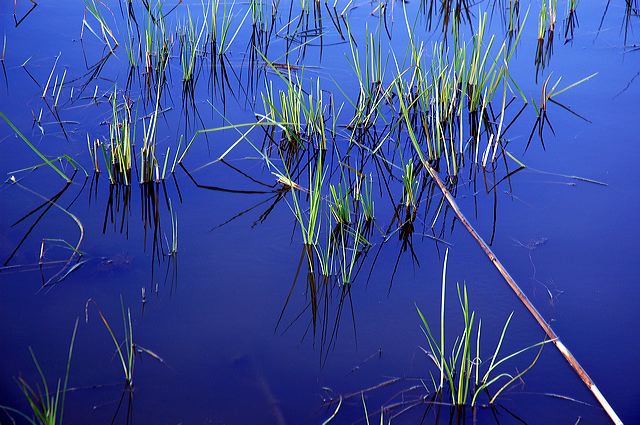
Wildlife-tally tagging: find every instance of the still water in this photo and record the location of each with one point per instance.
(230, 324)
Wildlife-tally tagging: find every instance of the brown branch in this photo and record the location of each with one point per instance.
(577, 367)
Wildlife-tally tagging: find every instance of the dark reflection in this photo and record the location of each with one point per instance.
(64, 267)
(25, 15)
(325, 299)
(631, 15)
(448, 14)
(160, 238)
(124, 409)
(405, 401)
(570, 23)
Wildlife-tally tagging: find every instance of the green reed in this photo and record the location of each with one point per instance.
(220, 28)
(149, 165)
(365, 196)
(325, 251)
(341, 205)
(158, 43)
(122, 131)
(543, 19)
(125, 348)
(352, 242)
(461, 373)
(34, 149)
(46, 404)
(107, 34)
(189, 40)
(310, 223)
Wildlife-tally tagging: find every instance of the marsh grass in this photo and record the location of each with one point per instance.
(122, 133)
(107, 35)
(158, 43)
(352, 242)
(341, 205)
(462, 376)
(221, 33)
(548, 96)
(310, 222)
(190, 45)
(365, 196)
(546, 30)
(125, 348)
(149, 165)
(46, 403)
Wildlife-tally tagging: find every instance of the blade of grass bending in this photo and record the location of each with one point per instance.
(33, 148)
(518, 376)
(113, 336)
(66, 375)
(335, 412)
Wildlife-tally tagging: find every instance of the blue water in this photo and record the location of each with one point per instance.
(234, 350)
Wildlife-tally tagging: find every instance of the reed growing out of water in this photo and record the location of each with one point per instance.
(370, 74)
(409, 186)
(220, 28)
(543, 19)
(300, 114)
(122, 132)
(125, 348)
(352, 241)
(514, 16)
(157, 43)
(460, 370)
(325, 251)
(553, 14)
(189, 39)
(149, 165)
(364, 194)
(46, 403)
(133, 51)
(310, 223)
(547, 95)
(546, 27)
(341, 205)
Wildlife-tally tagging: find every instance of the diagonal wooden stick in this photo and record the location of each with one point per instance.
(523, 298)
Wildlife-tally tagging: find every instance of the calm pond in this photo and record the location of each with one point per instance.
(312, 212)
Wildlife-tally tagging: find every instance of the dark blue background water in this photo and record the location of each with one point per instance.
(214, 320)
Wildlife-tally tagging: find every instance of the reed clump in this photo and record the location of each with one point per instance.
(462, 375)
(46, 404)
